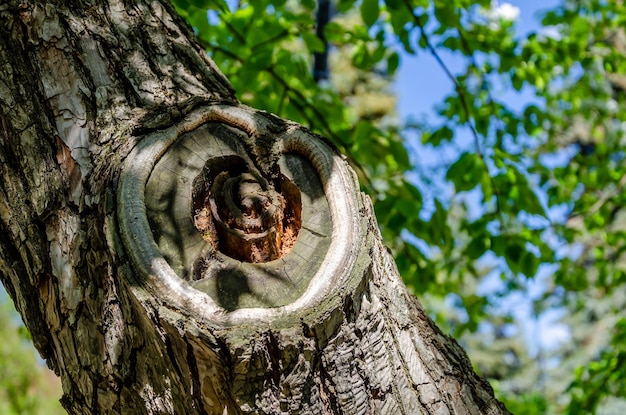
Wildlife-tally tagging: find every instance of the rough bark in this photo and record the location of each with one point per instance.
(112, 120)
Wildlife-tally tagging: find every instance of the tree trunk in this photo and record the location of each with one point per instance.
(172, 251)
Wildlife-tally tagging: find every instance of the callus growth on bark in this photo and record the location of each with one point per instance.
(327, 228)
(173, 251)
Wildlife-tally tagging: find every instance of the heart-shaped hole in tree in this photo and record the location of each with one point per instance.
(242, 214)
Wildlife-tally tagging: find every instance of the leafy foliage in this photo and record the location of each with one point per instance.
(25, 388)
(605, 376)
(546, 179)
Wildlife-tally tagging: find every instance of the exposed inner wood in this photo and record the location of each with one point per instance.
(172, 218)
(243, 215)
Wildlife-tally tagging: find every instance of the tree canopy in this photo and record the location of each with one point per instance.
(528, 203)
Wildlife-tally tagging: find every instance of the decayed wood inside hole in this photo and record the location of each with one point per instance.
(243, 215)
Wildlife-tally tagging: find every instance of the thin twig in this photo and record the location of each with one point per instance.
(234, 31)
(462, 98)
(284, 33)
(444, 67)
(281, 103)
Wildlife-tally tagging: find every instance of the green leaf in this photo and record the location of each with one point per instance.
(400, 20)
(397, 222)
(405, 39)
(261, 59)
(379, 53)
(533, 120)
(442, 134)
(513, 254)
(313, 43)
(363, 133)
(335, 33)
(345, 5)
(447, 14)
(370, 10)
(399, 153)
(521, 194)
(393, 4)
(181, 5)
(210, 4)
(408, 208)
(393, 61)
(383, 209)
(477, 247)
(466, 173)
(498, 245)
(439, 232)
(308, 4)
(361, 58)
(529, 264)
(453, 43)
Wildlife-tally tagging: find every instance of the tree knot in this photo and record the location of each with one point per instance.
(242, 214)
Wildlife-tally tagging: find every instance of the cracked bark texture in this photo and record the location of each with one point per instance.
(82, 84)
